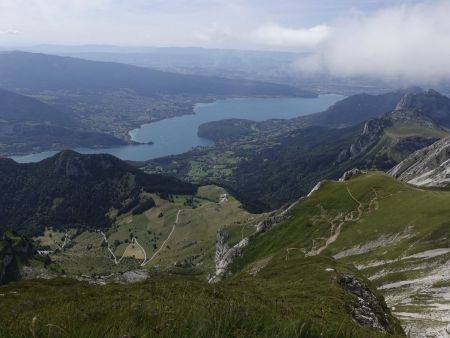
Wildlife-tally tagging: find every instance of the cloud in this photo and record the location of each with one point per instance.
(409, 43)
(9, 32)
(276, 35)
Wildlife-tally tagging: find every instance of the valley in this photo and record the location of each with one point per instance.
(172, 136)
(106, 99)
(329, 220)
(175, 233)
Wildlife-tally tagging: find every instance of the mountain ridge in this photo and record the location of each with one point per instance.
(72, 189)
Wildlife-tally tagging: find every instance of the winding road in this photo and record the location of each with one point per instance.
(134, 241)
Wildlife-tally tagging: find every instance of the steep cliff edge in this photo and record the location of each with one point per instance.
(418, 120)
(426, 167)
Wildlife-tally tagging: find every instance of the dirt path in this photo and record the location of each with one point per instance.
(134, 241)
(337, 223)
(145, 262)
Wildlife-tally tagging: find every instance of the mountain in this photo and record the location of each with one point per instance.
(394, 233)
(113, 98)
(418, 120)
(290, 156)
(38, 72)
(427, 167)
(27, 124)
(20, 108)
(357, 108)
(72, 189)
(431, 104)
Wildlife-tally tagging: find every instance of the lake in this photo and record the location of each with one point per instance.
(179, 134)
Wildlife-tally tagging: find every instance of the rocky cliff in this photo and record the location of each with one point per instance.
(14, 250)
(426, 167)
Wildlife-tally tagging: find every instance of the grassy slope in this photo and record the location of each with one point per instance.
(393, 146)
(280, 296)
(288, 298)
(192, 241)
(396, 222)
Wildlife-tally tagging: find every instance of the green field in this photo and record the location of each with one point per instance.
(391, 231)
(189, 242)
(294, 298)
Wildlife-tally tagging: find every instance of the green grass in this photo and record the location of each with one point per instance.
(192, 242)
(419, 218)
(409, 129)
(295, 298)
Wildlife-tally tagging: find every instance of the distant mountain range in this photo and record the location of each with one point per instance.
(38, 72)
(351, 257)
(75, 102)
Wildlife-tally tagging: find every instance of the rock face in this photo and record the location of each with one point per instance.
(351, 173)
(426, 167)
(427, 109)
(370, 135)
(133, 276)
(225, 255)
(366, 309)
(13, 249)
(430, 105)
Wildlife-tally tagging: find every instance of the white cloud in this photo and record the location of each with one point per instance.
(276, 35)
(9, 32)
(409, 43)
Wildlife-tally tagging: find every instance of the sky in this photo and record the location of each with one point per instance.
(206, 23)
(381, 38)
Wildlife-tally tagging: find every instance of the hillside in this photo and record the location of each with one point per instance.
(115, 98)
(72, 189)
(357, 108)
(166, 306)
(393, 233)
(304, 297)
(426, 167)
(20, 108)
(39, 72)
(15, 251)
(418, 120)
(27, 124)
(290, 156)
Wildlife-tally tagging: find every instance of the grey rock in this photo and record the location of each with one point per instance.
(351, 173)
(370, 135)
(366, 309)
(133, 276)
(429, 166)
(225, 255)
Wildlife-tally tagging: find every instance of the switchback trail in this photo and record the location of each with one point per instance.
(339, 221)
(134, 241)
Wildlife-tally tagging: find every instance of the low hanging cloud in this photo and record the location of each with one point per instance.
(276, 35)
(409, 43)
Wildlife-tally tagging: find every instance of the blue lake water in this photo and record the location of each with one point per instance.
(179, 134)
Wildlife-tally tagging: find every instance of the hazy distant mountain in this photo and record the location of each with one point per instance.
(27, 124)
(20, 108)
(31, 71)
(358, 108)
